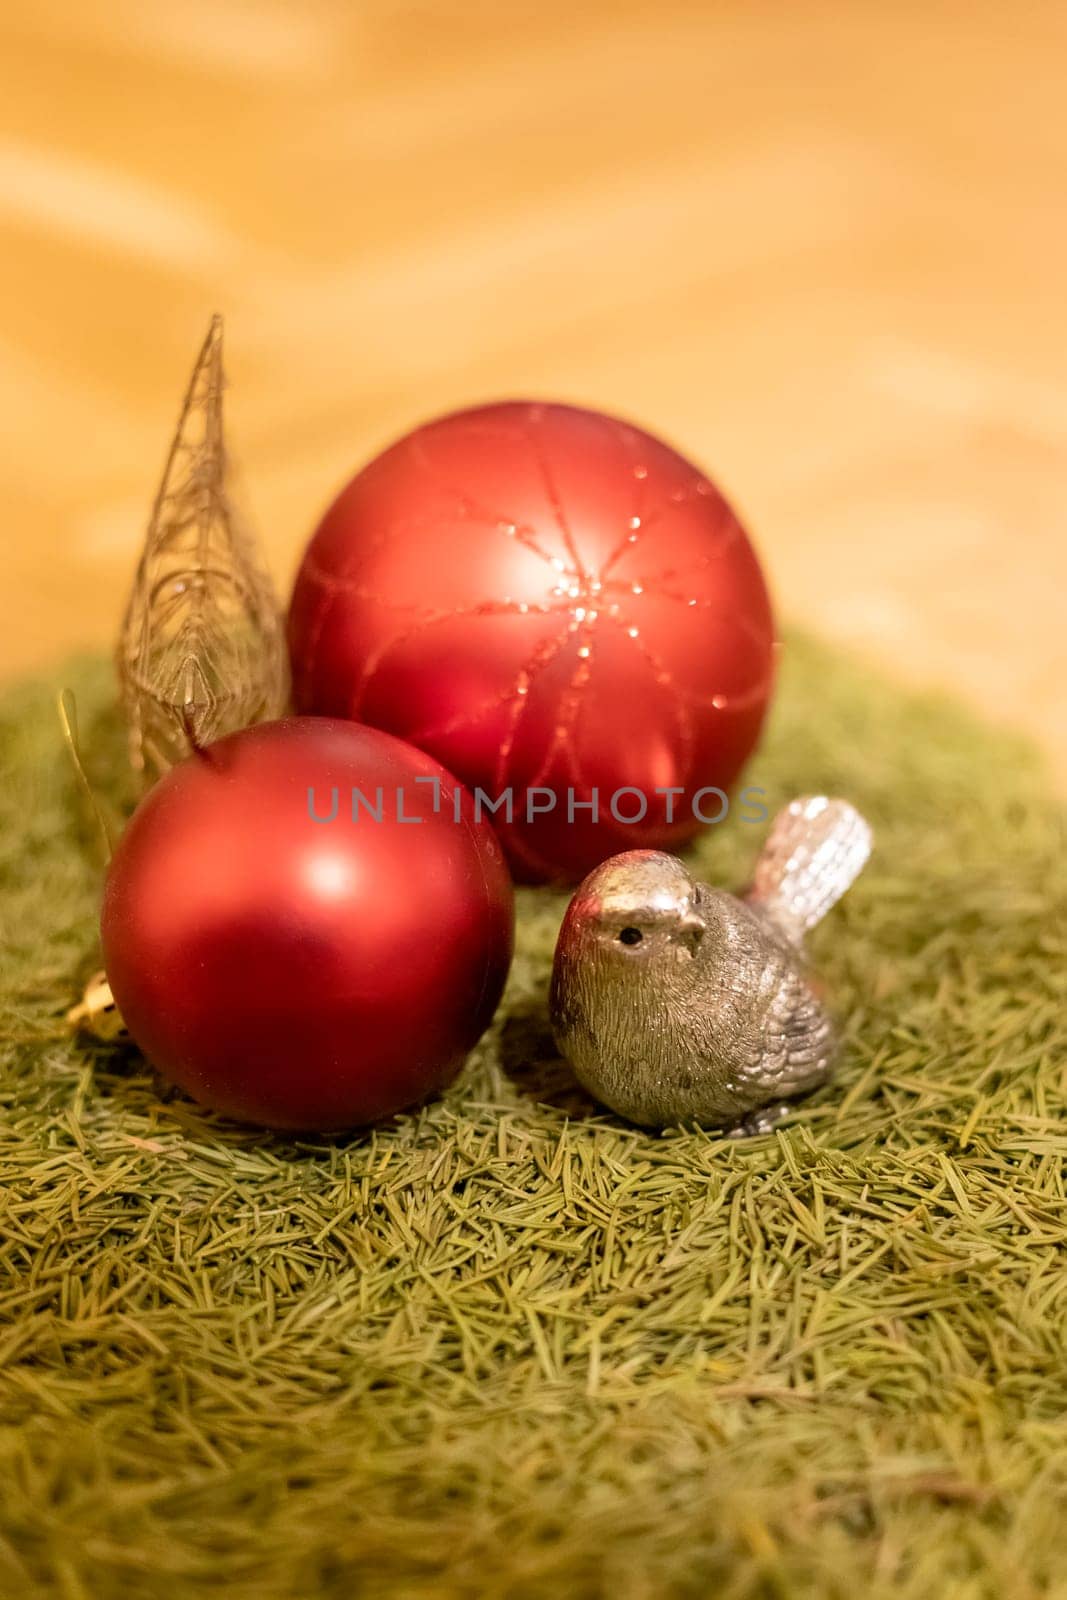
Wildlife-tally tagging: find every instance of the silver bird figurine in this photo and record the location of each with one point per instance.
(676, 1002)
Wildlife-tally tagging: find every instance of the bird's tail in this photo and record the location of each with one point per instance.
(816, 848)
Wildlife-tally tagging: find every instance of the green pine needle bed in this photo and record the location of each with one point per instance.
(510, 1346)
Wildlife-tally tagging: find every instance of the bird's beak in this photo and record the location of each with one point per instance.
(691, 929)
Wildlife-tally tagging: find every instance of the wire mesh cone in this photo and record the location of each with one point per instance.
(202, 648)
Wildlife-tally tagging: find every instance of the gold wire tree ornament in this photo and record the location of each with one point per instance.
(202, 648)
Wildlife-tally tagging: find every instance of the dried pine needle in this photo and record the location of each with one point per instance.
(509, 1346)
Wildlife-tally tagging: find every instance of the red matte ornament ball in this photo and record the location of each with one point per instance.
(556, 605)
(300, 933)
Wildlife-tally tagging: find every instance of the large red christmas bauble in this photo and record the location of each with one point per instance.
(299, 932)
(556, 605)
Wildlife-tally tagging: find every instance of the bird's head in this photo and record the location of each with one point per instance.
(638, 908)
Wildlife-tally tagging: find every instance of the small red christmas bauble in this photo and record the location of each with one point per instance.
(299, 932)
(560, 608)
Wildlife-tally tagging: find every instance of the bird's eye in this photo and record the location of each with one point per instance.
(631, 936)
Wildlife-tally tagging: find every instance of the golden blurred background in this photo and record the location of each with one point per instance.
(820, 247)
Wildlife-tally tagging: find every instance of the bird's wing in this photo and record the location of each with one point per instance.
(763, 1025)
(789, 1049)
